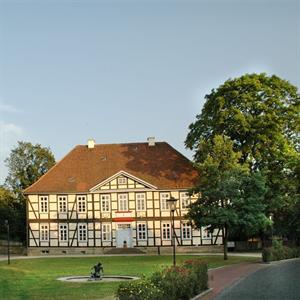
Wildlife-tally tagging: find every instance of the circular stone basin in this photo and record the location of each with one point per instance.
(103, 279)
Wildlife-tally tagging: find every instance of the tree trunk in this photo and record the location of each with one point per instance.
(225, 240)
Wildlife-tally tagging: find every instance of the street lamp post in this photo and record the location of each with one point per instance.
(172, 204)
(8, 250)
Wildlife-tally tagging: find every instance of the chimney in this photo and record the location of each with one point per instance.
(91, 143)
(151, 141)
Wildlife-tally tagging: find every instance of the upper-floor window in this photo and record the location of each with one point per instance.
(106, 236)
(81, 204)
(82, 232)
(43, 204)
(186, 231)
(62, 204)
(166, 231)
(122, 180)
(63, 232)
(185, 200)
(105, 203)
(123, 202)
(141, 231)
(140, 201)
(163, 201)
(44, 233)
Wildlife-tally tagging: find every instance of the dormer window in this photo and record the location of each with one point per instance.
(122, 180)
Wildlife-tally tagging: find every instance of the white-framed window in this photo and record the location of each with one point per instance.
(141, 231)
(140, 201)
(44, 204)
(62, 204)
(166, 231)
(185, 200)
(44, 233)
(186, 231)
(122, 180)
(63, 232)
(105, 203)
(124, 226)
(106, 232)
(82, 232)
(206, 233)
(163, 201)
(81, 204)
(123, 202)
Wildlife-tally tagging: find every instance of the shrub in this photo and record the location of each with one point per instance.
(279, 252)
(267, 255)
(139, 290)
(199, 268)
(175, 283)
(172, 283)
(296, 251)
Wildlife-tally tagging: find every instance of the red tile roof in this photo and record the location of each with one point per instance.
(83, 168)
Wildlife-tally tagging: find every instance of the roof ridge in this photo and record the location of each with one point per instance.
(110, 144)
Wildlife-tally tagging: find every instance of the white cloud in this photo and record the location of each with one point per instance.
(6, 108)
(9, 134)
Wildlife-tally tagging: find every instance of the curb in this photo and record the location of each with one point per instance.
(199, 296)
(277, 262)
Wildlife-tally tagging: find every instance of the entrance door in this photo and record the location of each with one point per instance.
(124, 236)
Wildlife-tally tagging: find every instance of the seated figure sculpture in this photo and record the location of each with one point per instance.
(97, 271)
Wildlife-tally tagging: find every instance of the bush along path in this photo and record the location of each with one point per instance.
(279, 252)
(177, 282)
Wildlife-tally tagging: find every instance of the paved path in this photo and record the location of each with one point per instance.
(247, 254)
(278, 281)
(220, 278)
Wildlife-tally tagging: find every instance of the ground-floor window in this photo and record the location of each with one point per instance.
(186, 231)
(206, 233)
(141, 232)
(106, 232)
(63, 232)
(82, 232)
(44, 233)
(166, 231)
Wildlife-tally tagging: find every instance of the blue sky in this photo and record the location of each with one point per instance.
(120, 71)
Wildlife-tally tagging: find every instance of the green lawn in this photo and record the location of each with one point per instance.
(36, 278)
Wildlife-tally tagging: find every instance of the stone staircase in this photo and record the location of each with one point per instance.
(123, 251)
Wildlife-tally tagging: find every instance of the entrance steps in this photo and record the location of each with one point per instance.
(123, 251)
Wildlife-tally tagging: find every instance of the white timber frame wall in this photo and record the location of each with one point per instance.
(122, 211)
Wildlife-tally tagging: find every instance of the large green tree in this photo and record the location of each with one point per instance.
(230, 198)
(260, 114)
(9, 210)
(26, 164)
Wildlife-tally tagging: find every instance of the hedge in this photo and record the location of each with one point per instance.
(279, 252)
(173, 283)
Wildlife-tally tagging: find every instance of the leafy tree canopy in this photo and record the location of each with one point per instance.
(230, 197)
(9, 209)
(26, 164)
(259, 113)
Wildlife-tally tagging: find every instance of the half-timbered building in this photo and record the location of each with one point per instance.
(100, 197)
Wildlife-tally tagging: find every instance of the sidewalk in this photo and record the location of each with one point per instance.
(220, 278)
(13, 256)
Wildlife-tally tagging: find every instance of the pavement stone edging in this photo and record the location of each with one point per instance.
(199, 296)
(277, 262)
